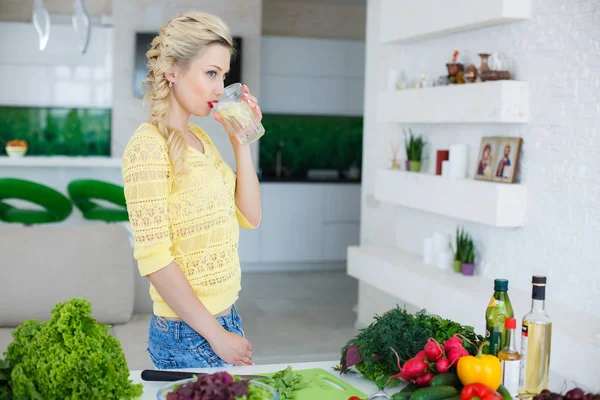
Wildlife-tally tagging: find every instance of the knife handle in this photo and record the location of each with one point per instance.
(165, 376)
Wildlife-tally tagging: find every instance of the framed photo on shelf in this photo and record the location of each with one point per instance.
(486, 158)
(498, 159)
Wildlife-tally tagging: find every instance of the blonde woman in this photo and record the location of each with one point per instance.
(185, 203)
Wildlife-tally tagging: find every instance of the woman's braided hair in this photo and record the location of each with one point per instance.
(178, 43)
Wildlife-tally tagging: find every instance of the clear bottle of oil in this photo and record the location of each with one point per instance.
(511, 359)
(536, 337)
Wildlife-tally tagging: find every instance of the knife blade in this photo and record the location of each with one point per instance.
(153, 375)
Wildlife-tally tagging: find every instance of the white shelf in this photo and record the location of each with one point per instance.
(489, 203)
(405, 21)
(575, 335)
(483, 102)
(61, 161)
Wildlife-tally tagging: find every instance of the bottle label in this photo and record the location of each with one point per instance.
(511, 371)
(524, 344)
(495, 339)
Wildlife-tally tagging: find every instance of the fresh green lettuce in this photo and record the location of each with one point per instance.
(70, 356)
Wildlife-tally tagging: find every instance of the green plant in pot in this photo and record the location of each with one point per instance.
(461, 238)
(468, 254)
(414, 151)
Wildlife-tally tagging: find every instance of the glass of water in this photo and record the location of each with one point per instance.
(238, 118)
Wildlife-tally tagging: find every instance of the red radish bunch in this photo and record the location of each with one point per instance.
(434, 358)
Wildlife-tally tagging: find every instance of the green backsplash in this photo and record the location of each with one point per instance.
(311, 142)
(57, 131)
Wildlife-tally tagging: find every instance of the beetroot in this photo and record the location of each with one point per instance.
(433, 350)
(455, 354)
(442, 365)
(453, 343)
(424, 380)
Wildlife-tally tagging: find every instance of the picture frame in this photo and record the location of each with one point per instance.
(498, 159)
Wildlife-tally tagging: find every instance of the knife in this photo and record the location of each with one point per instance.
(171, 376)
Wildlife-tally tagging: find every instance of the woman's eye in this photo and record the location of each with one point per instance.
(212, 74)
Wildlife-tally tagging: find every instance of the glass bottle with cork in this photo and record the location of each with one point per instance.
(535, 343)
(511, 359)
(498, 310)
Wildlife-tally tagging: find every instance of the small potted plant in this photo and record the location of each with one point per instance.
(461, 238)
(414, 151)
(468, 257)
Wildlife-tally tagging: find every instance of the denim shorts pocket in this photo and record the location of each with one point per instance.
(160, 362)
(207, 354)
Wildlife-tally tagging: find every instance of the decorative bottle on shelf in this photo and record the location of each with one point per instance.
(536, 337)
(511, 359)
(498, 310)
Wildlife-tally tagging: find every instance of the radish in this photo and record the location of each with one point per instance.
(433, 350)
(421, 355)
(412, 368)
(453, 343)
(456, 353)
(416, 367)
(424, 380)
(442, 365)
(404, 376)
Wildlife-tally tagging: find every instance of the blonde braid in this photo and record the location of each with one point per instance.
(159, 98)
(179, 42)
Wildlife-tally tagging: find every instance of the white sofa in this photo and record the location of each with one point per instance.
(43, 265)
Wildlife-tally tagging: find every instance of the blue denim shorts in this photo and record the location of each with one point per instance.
(174, 344)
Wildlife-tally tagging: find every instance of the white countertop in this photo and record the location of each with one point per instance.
(61, 161)
(365, 386)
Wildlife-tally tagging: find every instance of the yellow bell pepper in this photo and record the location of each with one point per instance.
(483, 368)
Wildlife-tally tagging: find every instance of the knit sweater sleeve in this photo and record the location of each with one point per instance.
(146, 174)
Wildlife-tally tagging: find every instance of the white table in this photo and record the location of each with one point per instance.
(365, 386)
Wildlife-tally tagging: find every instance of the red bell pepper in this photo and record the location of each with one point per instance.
(479, 391)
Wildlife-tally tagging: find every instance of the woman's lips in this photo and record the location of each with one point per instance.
(211, 103)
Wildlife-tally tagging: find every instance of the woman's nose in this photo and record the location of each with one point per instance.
(219, 90)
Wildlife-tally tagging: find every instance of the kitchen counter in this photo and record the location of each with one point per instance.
(365, 386)
(307, 180)
(60, 161)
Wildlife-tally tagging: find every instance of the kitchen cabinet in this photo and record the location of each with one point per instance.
(292, 222)
(302, 224)
(312, 76)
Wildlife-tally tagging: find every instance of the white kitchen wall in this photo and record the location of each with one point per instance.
(59, 76)
(558, 52)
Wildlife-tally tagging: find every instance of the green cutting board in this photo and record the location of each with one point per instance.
(323, 385)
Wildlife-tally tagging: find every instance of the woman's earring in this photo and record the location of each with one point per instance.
(170, 84)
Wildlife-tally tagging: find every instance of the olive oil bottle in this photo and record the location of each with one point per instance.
(535, 343)
(497, 311)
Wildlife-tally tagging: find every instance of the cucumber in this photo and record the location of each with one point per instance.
(401, 396)
(434, 393)
(457, 397)
(410, 387)
(504, 392)
(447, 379)
(406, 392)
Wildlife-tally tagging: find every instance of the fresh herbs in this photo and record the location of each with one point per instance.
(68, 356)
(286, 382)
(404, 332)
